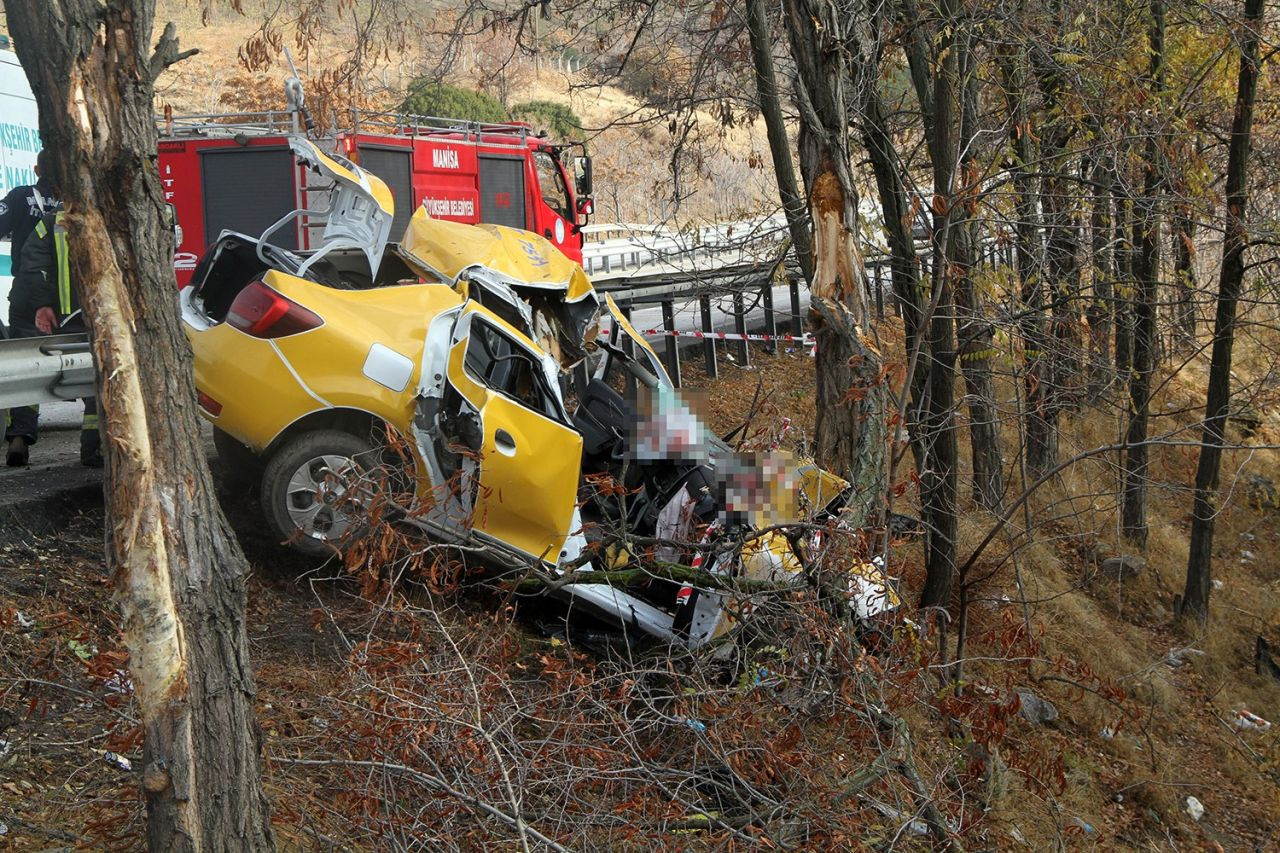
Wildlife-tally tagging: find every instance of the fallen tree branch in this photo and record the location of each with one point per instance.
(432, 782)
(906, 766)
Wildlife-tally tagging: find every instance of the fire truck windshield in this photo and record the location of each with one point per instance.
(555, 194)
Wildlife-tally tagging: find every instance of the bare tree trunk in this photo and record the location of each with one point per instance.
(832, 50)
(1147, 272)
(904, 265)
(1103, 275)
(1028, 260)
(947, 96)
(178, 571)
(938, 480)
(1123, 317)
(1061, 360)
(793, 203)
(1052, 386)
(975, 334)
(1184, 272)
(1195, 595)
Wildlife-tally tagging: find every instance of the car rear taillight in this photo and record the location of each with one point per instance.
(210, 405)
(262, 312)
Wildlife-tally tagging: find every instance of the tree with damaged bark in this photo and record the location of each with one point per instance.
(1205, 508)
(834, 66)
(178, 573)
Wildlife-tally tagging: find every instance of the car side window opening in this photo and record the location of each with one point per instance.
(501, 364)
(551, 181)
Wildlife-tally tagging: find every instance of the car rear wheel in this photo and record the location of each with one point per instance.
(315, 490)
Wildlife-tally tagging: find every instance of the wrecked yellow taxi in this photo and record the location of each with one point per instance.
(459, 343)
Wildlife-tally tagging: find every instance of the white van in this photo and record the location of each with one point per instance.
(19, 145)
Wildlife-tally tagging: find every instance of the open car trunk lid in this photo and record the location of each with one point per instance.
(360, 207)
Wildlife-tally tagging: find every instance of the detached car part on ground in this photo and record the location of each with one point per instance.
(456, 340)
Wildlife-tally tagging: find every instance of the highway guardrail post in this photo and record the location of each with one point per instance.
(797, 322)
(740, 325)
(770, 319)
(709, 344)
(673, 343)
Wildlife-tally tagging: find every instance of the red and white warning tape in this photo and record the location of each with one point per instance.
(686, 589)
(805, 339)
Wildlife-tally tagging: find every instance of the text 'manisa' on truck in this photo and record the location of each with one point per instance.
(235, 172)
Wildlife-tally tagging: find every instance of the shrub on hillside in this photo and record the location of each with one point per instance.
(560, 121)
(437, 99)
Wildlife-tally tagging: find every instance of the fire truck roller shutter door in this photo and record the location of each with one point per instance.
(395, 167)
(247, 189)
(502, 199)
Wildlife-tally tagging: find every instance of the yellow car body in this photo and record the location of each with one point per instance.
(519, 275)
(454, 341)
(363, 360)
(263, 386)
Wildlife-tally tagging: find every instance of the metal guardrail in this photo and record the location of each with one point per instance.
(615, 251)
(660, 278)
(45, 370)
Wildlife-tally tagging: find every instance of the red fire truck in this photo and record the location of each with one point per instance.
(235, 172)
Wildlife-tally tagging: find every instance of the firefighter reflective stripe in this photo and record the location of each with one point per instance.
(89, 422)
(64, 268)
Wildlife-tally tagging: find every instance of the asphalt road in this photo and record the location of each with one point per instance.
(40, 497)
(54, 486)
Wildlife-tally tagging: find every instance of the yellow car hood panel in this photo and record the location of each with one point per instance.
(448, 248)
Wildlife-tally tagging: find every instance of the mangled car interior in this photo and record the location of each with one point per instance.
(477, 346)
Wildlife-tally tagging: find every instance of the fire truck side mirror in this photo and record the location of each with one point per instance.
(582, 167)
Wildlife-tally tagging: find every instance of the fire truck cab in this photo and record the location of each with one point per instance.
(234, 172)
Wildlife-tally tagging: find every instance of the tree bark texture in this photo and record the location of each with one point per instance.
(793, 203)
(1184, 273)
(177, 570)
(908, 288)
(975, 335)
(1058, 365)
(1133, 512)
(1029, 263)
(1123, 317)
(834, 65)
(1103, 277)
(1195, 595)
(936, 94)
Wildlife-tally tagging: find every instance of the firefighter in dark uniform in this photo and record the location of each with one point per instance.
(44, 301)
(22, 208)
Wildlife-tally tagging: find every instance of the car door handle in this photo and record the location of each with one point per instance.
(504, 442)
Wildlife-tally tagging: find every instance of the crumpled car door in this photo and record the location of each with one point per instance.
(522, 476)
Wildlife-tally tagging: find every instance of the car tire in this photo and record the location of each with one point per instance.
(236, 461)
(306, 486)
